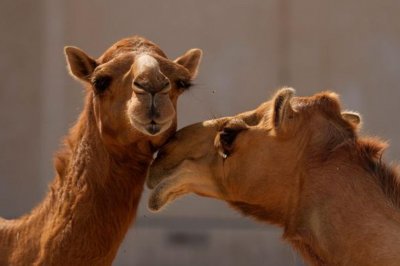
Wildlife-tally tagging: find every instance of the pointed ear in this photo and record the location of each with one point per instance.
(353, 118)
(282, 111)
(191, 61)
(80, 65)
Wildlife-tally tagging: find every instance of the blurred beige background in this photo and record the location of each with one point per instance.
(250, 49)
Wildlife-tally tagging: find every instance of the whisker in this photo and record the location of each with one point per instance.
(202, 101)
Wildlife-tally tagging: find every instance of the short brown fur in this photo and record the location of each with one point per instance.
(299, 163)
(102, 167)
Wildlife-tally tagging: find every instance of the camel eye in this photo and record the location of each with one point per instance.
(183, 84)
(101, 83)
(227, 136)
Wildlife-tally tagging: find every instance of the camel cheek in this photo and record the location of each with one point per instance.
(138, 107)
(164, 107)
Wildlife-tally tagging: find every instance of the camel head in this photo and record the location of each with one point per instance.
(251, 159)
(134, 88)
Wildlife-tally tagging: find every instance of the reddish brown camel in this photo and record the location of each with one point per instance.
(130, 110)
(299, 163)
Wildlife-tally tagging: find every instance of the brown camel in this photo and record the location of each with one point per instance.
(299, 163)
(130, 110)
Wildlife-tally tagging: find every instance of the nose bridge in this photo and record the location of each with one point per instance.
(157, 81)
(148, 76)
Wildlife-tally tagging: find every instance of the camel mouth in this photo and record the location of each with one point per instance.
(166, 190)
(153, 128)
(172, 182)
(154, 176)
(156, 200)
(156, 172)
(160, 180)
(168, 181)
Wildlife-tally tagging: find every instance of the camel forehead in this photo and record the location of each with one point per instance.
(135, 44)
(146, 62)
(145, 65)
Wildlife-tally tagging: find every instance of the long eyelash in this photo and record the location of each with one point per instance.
(101, 83)
(209, 108)
(183, 84)
(228, 136)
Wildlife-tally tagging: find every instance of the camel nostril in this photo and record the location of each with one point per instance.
(165, 84)
(138, 85)
(139, 88)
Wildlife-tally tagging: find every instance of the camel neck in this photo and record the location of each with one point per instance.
(340, 216)
(91, 203)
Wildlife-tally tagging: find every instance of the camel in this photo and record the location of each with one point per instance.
(296, 162)
(129, 111)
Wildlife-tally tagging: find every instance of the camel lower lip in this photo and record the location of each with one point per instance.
(153, 128)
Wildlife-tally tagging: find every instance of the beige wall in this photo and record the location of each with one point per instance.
(250, 48)
(21, 69)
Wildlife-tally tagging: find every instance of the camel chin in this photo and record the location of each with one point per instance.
(177, 181)
(167, 190)
(173, 183)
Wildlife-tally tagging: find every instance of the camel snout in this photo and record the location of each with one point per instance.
(165, 191)
(155, 175)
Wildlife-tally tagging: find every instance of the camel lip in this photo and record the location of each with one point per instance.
(153, 203)
(157, 172)
(152, 128)
(159, 168)
(161, 193)
(155, 175)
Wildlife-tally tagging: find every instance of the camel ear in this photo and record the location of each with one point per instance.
(353, 118)
(191, 61)
(81, 66)
(283, 111)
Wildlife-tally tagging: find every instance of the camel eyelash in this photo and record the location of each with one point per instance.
(101, 83)
(183, 84)
(227, 137)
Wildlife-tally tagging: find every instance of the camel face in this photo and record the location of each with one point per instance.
(253, 157)
(151, 110)
(135, 90)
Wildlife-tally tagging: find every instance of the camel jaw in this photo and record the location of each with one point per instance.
(186, 177)
(166, 188)
(156, 173)
(164, 182)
